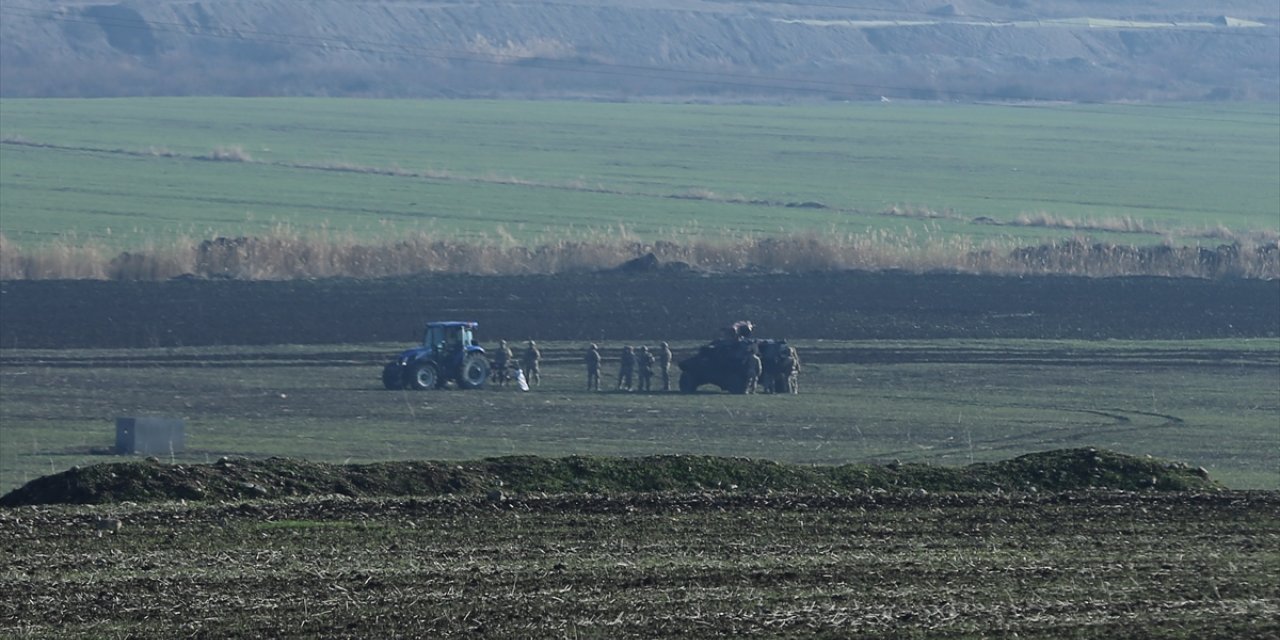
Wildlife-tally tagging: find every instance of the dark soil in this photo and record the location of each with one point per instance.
(1092, 564)
(234, 479)
(634, 305)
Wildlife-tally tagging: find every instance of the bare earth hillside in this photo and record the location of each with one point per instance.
(714, 49)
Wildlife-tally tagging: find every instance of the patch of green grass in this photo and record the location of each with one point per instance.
(543, 169)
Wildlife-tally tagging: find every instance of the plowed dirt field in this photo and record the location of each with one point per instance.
(877, 565)
(667, 305)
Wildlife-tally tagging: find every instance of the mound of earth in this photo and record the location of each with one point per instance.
(650, 262)
(238, 479)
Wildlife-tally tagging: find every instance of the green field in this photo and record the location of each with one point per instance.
(1206, 403)
(130, 171)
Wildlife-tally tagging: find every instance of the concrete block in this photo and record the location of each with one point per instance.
(150, 436)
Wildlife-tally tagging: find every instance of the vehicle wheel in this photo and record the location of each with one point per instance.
(393, 377)
(687, 383)
(475, 371)
(423, 376)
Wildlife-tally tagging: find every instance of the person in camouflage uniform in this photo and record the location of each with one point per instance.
(778, 380)
(501, 362)
(644, 360)
(532, 357)
(754, 368)
(664, 366)
(793, 375)
(593, 368)
(627, 368)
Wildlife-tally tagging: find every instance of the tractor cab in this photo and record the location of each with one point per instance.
(448, 342)
(449, 337)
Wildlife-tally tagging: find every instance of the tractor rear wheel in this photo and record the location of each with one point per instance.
(423, 376)
(474, 372)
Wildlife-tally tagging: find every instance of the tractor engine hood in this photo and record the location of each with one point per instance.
(414, 354)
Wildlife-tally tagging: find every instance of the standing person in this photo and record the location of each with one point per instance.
(593, 368)
(627, 367)
(664, 365)
(501, 360)
(645, 361)
(753, 371)
(532, 356)
(793, 376)
(777, 379)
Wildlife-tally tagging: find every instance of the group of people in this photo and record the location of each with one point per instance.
(506, 368)
(786, 374)
(636, 369)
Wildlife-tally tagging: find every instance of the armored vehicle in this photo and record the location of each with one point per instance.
(723, 362)
(449, 353)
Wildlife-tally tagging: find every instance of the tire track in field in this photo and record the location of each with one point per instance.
(698, 194)
(256, 359)
(429, 174)
(1047, 356)
(695, 194)
(1117, 421)
(1121, 421)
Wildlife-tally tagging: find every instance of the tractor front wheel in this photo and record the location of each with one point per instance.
(393, 377)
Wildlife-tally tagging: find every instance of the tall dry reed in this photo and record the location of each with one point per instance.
(288, 253)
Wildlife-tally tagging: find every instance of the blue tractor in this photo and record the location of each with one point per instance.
(449, 353)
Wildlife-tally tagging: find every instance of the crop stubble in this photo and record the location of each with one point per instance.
(1095, 564)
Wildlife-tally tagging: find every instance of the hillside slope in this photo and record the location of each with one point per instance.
(998, 49)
